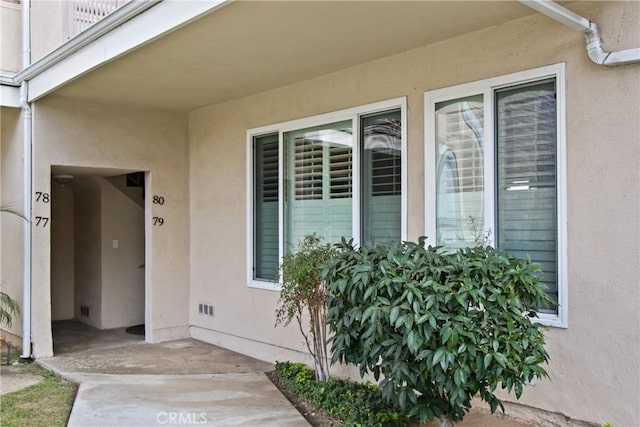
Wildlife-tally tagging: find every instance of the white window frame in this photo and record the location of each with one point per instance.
(354, 114)
(487, 88)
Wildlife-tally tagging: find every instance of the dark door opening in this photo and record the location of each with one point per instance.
(97, 248)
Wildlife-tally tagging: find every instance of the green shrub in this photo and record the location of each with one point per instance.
(355, 404)
(8, 308)
(441, 327)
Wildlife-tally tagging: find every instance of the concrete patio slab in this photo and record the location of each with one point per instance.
(182, 357)
(14, 378)
(212, 400)
(125, 381)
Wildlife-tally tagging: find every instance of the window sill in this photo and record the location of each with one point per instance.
(263, 284)
(551, 320)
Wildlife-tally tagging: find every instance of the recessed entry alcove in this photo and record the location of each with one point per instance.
(97, 246)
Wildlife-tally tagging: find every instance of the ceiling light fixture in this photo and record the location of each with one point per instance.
(63, 180)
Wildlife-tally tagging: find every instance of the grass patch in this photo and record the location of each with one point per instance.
(47, 403)
(351, 403)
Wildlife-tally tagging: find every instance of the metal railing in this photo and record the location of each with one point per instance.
(84, 13)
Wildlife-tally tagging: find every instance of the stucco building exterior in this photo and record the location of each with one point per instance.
(178, 148)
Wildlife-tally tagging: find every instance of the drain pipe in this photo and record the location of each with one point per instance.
(27, 163)
(591, 34)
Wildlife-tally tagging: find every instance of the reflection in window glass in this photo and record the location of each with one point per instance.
(460, 166)
(381, 169)
(318, 183)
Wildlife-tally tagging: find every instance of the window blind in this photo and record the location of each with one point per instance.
(266, 241)
(318, 182)
(460, 171)
(526, 175)
(340, 172)
(308, 169)
(381, 176)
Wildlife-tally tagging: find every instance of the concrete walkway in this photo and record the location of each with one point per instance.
(127, 382)
(14, 378)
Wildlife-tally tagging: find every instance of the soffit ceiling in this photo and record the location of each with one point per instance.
(77, 171)
(249, 47)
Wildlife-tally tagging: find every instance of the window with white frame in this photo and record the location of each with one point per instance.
(338, 175)
(495, 167)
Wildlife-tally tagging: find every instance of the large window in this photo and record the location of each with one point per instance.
(495, 169)
(337, 175)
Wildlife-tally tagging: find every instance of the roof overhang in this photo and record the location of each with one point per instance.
(183, 55)
(9, 96)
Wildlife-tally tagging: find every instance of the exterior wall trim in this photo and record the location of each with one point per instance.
(9, 96)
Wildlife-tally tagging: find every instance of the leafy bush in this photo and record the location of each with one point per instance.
(8, 308)
(441, 327)
(355, 404)
(302, 287)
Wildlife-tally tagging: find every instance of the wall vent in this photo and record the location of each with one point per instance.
(84, 311)
(206, 309)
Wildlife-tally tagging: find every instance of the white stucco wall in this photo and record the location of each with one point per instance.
(11, 36)
(49, 26)
(594, 363)
(87, 263)
(136, 194)
(62, 254)
(11, 226)
(71, 133)
(122, 275)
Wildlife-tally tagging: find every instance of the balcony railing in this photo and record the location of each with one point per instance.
(85, 13)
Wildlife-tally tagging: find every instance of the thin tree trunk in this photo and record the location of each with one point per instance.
(446, 421)
(319, 353)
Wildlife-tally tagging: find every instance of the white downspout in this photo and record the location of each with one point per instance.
(27, 182)
(591, 34)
